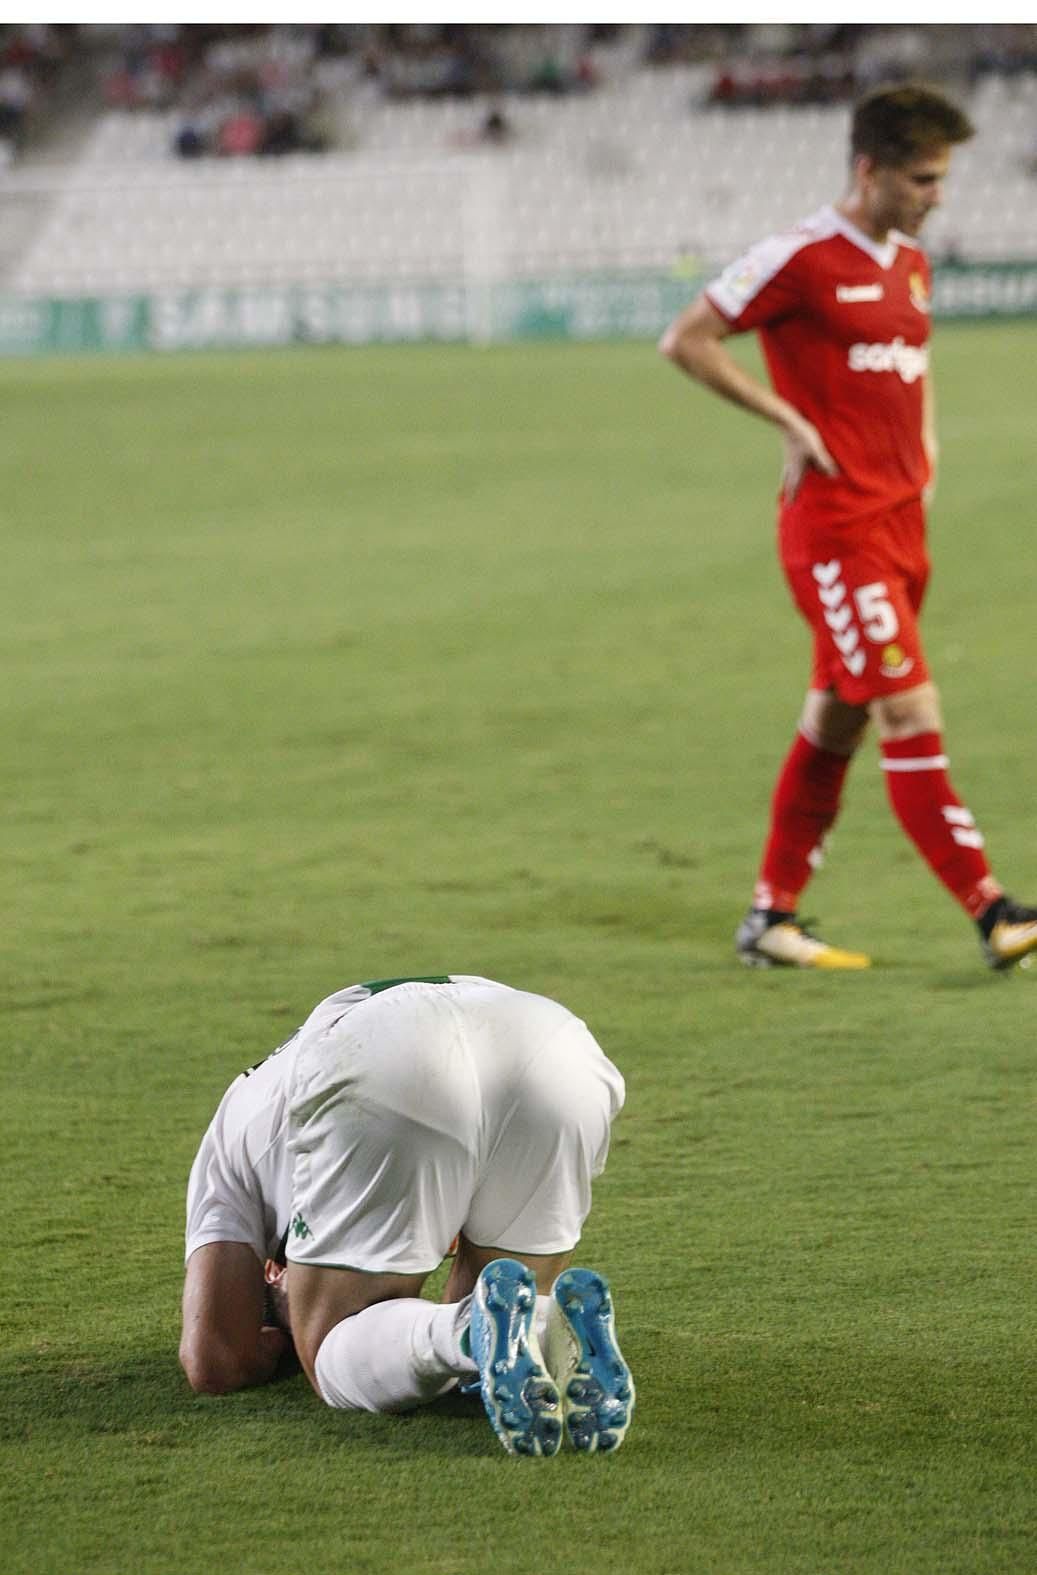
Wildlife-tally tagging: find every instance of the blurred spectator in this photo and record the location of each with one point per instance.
(15, 98)
(831, 62)
(253, 90)
(31, 57)
(890, 54)
(801, 79)
(1006, 48)
(548, 76)
(241, 133)
(151, 69)
(797, 79)
(496, 128)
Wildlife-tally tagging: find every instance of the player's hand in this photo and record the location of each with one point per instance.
(803, 447)
(929, 490)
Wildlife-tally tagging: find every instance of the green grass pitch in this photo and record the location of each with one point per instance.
(329, 665)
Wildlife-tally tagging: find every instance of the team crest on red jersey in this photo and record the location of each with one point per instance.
(895, 662)
(918, 291)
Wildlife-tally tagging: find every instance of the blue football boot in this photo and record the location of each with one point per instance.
(585, 1361)
(520, 1397)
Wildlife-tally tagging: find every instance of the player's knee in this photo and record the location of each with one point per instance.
(833, 724)
(338, 1371)
(909, 712)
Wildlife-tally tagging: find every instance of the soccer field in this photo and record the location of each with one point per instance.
(331, 665)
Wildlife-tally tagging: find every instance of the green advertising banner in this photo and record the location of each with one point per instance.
(593, 306)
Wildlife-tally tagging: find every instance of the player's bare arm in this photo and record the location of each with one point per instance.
(225, 1344)
(694, 342)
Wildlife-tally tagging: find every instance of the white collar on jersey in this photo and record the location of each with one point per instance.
(885, 254)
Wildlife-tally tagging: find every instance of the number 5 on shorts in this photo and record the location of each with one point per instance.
(875, 611)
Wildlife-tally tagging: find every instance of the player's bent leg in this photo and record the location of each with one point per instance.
(370, 1342)
(550, 1138)
(519, 1394)
(470, 1260)
(319, 1297)
(393, 1356)
(584, 1359)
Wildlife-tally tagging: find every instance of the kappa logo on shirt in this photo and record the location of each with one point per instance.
(859, 292)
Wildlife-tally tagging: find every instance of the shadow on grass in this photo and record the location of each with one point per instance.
(975, 979)
(712, 1395)
(145, 1400)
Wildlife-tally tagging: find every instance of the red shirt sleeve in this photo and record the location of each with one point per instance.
(762, 286)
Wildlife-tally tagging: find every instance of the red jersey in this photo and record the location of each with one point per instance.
(844, 324)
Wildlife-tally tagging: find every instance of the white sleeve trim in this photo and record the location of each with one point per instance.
(741, 281)
(209, 1238)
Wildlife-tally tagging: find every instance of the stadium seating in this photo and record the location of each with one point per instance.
(630, 176)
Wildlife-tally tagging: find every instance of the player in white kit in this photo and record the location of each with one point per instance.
(405, 1114)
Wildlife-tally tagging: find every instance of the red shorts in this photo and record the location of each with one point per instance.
(862, 602)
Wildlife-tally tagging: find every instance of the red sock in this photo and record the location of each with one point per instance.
(805, 803)
(936, 820)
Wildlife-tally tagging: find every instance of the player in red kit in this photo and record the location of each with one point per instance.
(841, 305)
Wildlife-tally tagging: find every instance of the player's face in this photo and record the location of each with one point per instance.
(901, 197)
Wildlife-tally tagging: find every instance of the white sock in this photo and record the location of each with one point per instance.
(394, 1355)
(540, 1320)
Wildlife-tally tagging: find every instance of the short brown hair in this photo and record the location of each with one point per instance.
(906, 121)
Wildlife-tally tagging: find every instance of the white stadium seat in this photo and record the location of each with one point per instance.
(631, 175)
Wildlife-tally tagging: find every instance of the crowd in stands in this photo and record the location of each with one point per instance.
(262, 89)
(31, 55)
(791, 63)
(796, 79)
(238, 90)
(1006, 48)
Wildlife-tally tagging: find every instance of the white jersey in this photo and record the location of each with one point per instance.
(414, 1098)
(240, 1187)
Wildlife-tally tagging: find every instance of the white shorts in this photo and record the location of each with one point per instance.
(431, 1109)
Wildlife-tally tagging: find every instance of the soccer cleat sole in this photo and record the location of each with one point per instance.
(597, 1389)
(520, 1396)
